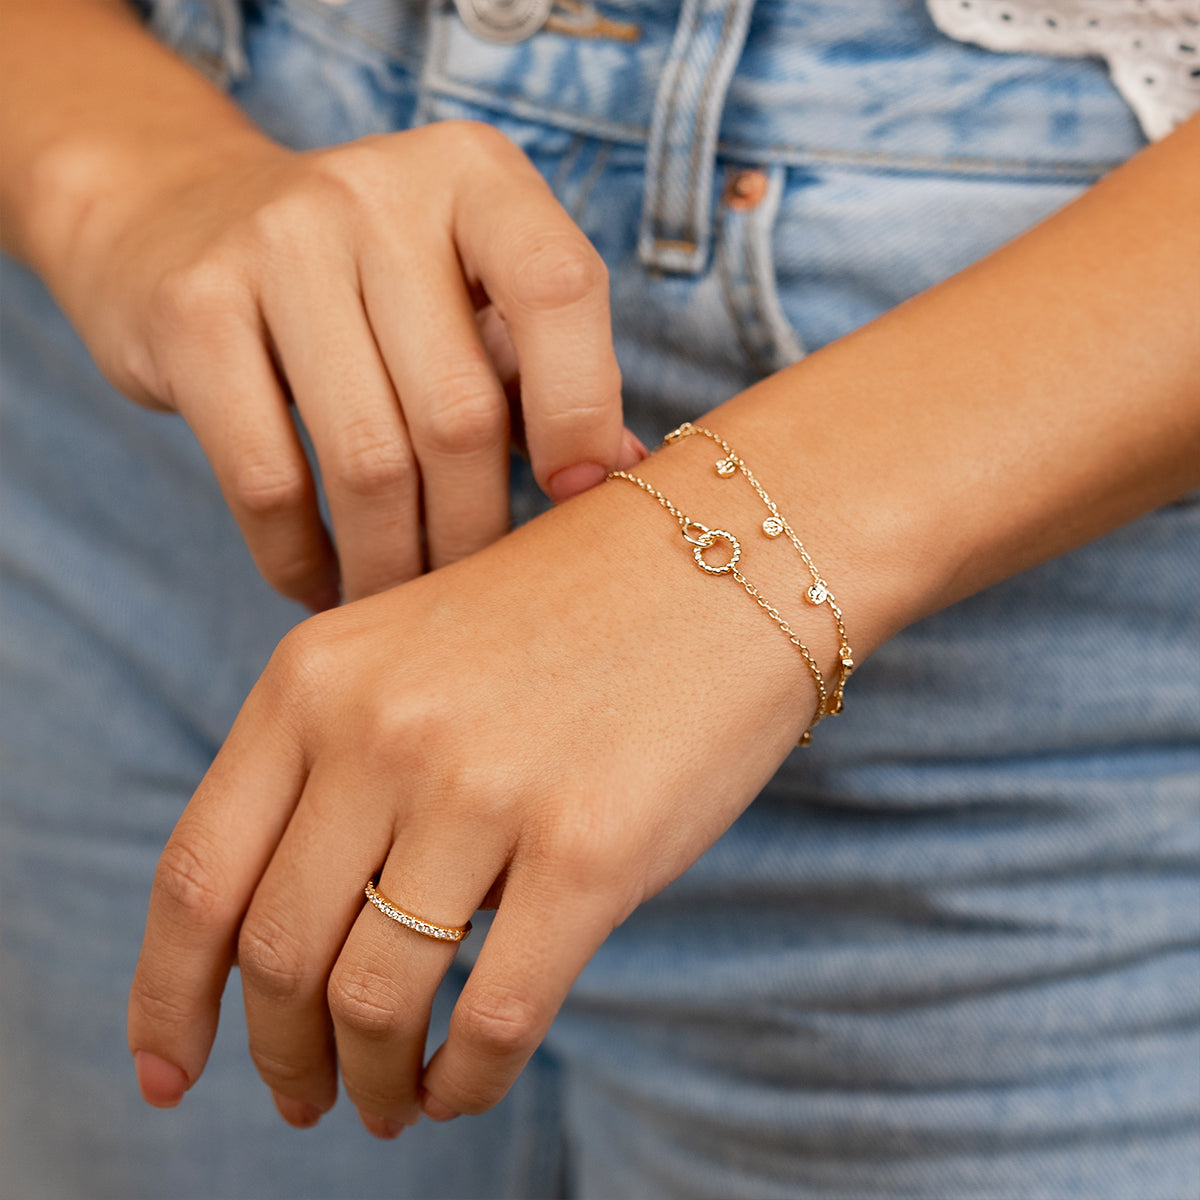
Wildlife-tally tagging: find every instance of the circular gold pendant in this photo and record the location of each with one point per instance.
(773, 526)
(726, 466)
(707, 539)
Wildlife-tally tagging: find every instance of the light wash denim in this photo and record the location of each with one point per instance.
(950, 952)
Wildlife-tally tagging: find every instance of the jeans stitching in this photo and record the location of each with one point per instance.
(798, 154)
(324, 14)
(593, 177)
(567, 163)
(764, 285)
(785, 153)
(318, 19)
(732, 240)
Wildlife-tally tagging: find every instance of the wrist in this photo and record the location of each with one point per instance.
(96, 114)
(86, 192)
(865, 518)
(733, 593)
(838, 566)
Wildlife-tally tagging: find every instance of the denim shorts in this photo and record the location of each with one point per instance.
(951, 952)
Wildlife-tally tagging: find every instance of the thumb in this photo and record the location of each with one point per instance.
(578, 478)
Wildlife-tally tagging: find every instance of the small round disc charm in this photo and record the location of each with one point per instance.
(726, 467)
(773, 526)
(817, 594)
(709, 538)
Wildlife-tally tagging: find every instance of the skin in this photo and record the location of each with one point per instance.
(1043, 397)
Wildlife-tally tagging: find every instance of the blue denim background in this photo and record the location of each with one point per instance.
(950, 952)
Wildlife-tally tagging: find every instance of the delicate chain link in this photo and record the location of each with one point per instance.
(709, 537)
(819, 592)
(823, 709)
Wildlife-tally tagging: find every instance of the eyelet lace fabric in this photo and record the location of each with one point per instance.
(1152, 46)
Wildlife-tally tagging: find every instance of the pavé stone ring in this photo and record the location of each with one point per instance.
(439, 933)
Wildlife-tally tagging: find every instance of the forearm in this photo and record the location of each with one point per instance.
(93, 111)
(1021, 408)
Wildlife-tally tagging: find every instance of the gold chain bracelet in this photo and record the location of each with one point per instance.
(774, 525)
(819, 592)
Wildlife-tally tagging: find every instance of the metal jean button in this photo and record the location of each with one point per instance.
(745, 189)
(504, 21)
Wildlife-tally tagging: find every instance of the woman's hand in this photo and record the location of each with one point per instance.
(391, 288)
(557, 726)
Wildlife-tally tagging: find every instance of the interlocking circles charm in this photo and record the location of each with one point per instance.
(710, 537)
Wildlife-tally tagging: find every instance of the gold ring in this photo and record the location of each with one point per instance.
(441, 933)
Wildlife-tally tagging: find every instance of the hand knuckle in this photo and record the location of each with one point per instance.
(352, 173)
(305, 666)
(554, 271)
(365, 1003)
(469, 415)
(586, 852)
(293, 654)
(408, 731)
(187, 883)
(575, 848)
(283, 1072)
(271, 961)
(500, 1023)
(307, 651)
(205, 289)
(476, 139)
(369, 462)
(263, 487)
(388, 731)
(276, 225)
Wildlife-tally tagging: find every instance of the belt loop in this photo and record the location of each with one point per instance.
(222, 56)
(676, 227)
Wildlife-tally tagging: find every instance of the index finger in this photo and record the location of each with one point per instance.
(205, 878)
(551, 287)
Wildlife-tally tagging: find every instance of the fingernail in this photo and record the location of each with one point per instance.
(570, 481)
(297, 1113)
(381, 1127)
(632, 451)
(162, 1083)
(435, 1110)
(325, 599)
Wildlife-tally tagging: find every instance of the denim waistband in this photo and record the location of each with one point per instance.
(853, 80)
(870, 84)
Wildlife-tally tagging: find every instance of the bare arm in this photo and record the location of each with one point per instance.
(1037, 400)
(94, 110)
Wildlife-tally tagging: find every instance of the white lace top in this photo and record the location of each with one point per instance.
(1152, 46)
